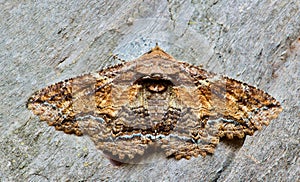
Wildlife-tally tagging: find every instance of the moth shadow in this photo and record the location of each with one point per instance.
(234, 144)
(154, 154)
(151, 155)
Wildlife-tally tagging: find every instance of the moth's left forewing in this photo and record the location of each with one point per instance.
(72, 105)
(61, 104)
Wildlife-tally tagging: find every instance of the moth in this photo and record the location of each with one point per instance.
(180, 109)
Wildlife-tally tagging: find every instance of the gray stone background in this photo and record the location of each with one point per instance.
(47, 41)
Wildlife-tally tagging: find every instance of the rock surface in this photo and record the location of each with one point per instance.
(44, 42)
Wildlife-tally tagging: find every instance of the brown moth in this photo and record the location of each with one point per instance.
(155, 100)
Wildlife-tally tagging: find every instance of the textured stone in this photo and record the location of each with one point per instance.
(45, 42)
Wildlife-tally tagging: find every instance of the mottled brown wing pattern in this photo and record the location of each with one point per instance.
(54, 104)
(236, 109)
(65, 104)
(154, 103)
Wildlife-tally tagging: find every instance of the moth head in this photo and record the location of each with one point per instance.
(155, 83)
